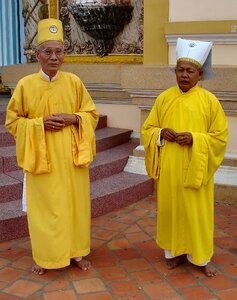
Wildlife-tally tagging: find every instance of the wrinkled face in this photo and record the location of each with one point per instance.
(50, 55)
(187, 75)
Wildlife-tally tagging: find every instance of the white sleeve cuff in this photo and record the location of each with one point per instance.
(160, 140)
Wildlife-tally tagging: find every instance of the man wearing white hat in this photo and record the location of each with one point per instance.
(53, 119)
(185, 137)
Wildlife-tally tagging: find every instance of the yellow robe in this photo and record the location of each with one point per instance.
(185, 174)
(56, 165)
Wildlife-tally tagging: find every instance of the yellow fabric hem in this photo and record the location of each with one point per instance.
(59, 264)
(183, 251)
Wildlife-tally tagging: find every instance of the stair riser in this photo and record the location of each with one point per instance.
(102, 122)
(117, 200)
(6, 139)
(2, 118)
(9, 164)
(13, 228)
(113, 141)
(106, 170)
(10, 192)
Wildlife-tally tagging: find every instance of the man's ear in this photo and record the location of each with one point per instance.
(200, 74)
(37, 55)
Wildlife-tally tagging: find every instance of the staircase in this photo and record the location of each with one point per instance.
(111, 187)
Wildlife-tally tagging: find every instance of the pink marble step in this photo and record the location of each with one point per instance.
(102, 122)
(111, 161)
(13, 222)
(117, 191)
(107, 194)
(5, 138)
(10, 186)
(8, 161)
(108, 137)
(106, 163)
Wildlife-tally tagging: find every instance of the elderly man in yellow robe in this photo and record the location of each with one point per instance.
(185, 137)
(53, 119)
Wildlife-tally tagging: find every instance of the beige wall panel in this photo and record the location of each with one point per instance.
(221, 55)
(193, 10)
(121, 116)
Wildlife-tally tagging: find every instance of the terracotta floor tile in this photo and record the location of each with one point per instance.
(128, 219)
(114, 273)
(4, 296)
(3, 284)
(127, 265)
(145, 222)
(96, 243)
(231, 270)
(97, 296)
(132, 229)
(220, 282)
(6, 245)
(14, 253)
(224, 259)
(159, 290)
(105, 234)
(35, 297)
(136, 265)
(162, 269)
(119, 243)
(48, 276)
(229, 294)
(25, 263)
(23, 288)
(127, 253)
(10, 274)
(115, 226)
(197, 293)
(61, 283)
(4, 262)
(181, 279)
(61, 295)
(77, 274)
(101, 251)
(124, 288)
(226, 242)
(107, 261)
(134, 297)
(147, 275)
(137, 237)
(89, 286)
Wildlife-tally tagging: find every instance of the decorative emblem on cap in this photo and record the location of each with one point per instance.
(192, 45)
(53, 29)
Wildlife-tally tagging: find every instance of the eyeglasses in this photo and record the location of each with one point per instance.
(49, 52)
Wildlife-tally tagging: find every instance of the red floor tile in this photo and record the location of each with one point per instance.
(22, 288)
(124, 288)
(126, 263)
(89, 286)
(229, 294)
(115, 273)
(159, 290)
(61, 295)
(196, 293)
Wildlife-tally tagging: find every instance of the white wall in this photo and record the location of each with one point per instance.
(202, 10)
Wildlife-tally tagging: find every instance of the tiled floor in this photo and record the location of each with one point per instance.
(127, 265)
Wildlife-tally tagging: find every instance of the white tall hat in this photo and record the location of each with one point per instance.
(197, 52)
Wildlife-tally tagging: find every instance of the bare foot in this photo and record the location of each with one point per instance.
(38, 270)
(176, 261)
(209, 270)
(83, 264)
